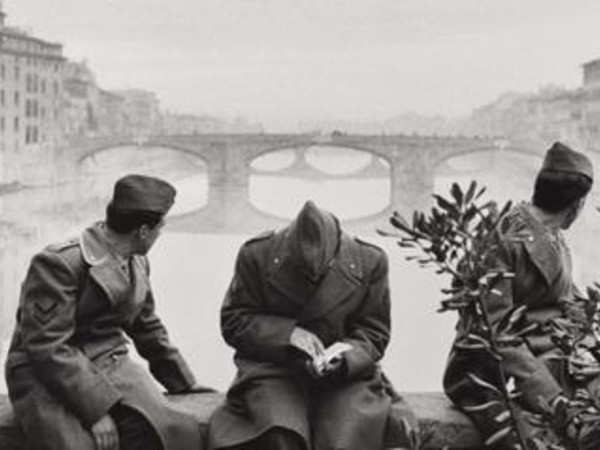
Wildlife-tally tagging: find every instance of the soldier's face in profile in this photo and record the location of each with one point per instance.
(147, 236)
(573, 214)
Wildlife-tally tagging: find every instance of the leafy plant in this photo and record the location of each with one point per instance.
(458, 238)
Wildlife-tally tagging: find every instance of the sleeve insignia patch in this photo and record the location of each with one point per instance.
(44, 311)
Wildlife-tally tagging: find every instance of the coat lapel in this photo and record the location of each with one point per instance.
(105, 269)
(283, 276)
(139, 279)
(343, 278)
(542, 251)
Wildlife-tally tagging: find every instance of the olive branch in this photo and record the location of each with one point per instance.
(458, 238)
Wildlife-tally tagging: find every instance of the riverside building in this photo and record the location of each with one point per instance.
(30, 104)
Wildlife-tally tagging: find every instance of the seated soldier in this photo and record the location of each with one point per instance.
(533, 248)
(69, 377)
(308, 314)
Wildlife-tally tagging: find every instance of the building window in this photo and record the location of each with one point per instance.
(17, 98)
(16, 124)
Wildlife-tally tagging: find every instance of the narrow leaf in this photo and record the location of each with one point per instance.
(483, 383)
(498, 436)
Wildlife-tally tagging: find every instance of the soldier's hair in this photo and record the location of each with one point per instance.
(556, 191)
(125, 221)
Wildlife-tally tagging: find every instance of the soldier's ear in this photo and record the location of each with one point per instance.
(143, 232)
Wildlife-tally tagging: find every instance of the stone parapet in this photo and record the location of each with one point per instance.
(442, 426)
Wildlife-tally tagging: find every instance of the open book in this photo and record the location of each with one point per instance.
(330, 356)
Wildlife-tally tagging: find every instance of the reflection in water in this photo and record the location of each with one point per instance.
(283, 196)
(190, 273)
(354, 192)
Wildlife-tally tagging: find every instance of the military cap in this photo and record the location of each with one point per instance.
(143, 193)
(560, 158)
(313, 239)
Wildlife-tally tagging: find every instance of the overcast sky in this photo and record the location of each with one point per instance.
(287, 60)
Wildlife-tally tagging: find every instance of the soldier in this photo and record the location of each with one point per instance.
(308, 314)
(69, 377)
(533, 248)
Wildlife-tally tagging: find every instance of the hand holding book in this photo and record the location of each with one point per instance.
(321, 361)
(331, 358)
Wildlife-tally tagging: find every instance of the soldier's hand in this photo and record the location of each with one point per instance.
(308, 342)
(106, 436)
(334, 365)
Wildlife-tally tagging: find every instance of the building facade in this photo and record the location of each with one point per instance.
(31, 72)
(552, 113)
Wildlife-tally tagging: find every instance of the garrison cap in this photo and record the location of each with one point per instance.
(143, 193)
(560, 158)
(313, 239)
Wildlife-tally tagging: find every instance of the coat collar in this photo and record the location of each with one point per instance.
(106, 270)
(344, 276)
(542, 249)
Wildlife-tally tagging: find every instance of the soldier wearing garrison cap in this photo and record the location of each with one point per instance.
(533, 248)
(296, 295)
(69, 376)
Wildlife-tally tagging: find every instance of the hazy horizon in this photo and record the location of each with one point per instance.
(284, 62)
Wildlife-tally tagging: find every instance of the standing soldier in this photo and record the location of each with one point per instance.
(308, 314)
(533, 248)
(69, 378)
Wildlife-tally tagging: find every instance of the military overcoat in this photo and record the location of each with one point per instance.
(68, 363)
(542, 281)
(264, 303)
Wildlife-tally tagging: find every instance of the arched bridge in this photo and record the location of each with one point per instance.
(410, 161)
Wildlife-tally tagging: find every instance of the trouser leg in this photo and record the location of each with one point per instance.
(273, 439)
(135, 432)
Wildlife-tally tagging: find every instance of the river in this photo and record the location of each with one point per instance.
(190, 272)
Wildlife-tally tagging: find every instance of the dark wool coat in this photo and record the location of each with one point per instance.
(542, 267)
(68, 364)
(265, 301)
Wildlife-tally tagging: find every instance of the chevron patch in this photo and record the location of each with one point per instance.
(44, 311)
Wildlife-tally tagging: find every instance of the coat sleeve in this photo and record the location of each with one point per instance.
(245, 323)
(152, 342)
(47, 322)
(370, 332)
(531, 375)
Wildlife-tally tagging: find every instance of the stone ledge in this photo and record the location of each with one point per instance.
(441, 424)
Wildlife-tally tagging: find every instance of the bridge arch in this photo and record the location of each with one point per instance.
(443, 157)
(412, 161)
(313, 171)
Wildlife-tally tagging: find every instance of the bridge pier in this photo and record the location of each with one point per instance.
(412, 180)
